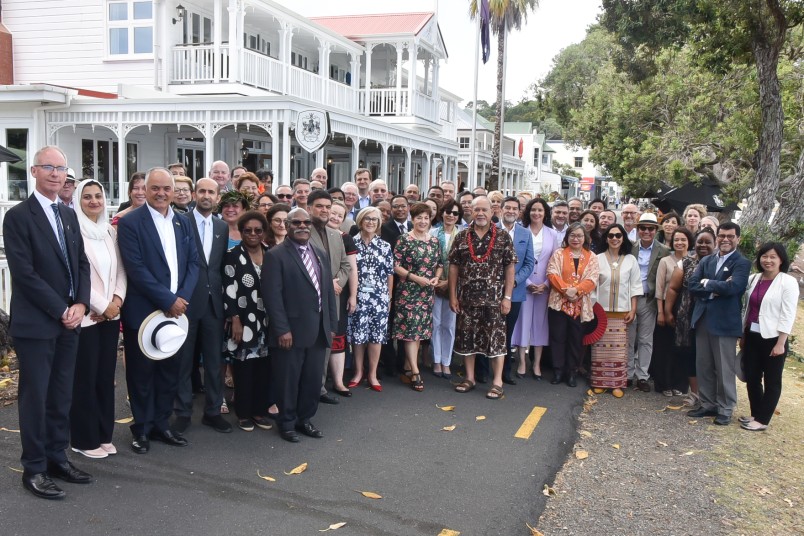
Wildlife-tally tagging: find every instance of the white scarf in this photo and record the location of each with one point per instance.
(90, 229)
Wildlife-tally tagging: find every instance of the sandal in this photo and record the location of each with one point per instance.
(465, 386)
(224, 408)
(416, 383)
(495, 393)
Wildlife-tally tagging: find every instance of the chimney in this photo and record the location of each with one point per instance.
(6, 53)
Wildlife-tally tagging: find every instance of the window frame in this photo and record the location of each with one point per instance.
(130, 24)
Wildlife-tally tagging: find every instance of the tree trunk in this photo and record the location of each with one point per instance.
(493, 182)
(767, 44)
(791, 205)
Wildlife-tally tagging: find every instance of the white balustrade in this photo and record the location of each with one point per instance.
(305, 84)
(260, 70)
(340, 96)
(196, 63)
(427, 107)
(386, 101)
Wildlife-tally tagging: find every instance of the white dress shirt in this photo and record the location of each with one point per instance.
(164, 227)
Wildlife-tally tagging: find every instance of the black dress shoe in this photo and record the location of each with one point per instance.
(722, 420)
(289, 435)
(42, 486)
(181, 424)
(68, 472)
(217, 423)
(571, 381)
(509, 380)
(557, 378)
(701, 412)
(309, 430)
(168, 437)
(140, 444)
(345, 393)
(328, 399)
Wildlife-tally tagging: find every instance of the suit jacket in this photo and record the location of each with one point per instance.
(147, 267)
(40, 282)
(210, 279)
(291, 301)
(103, 291)
(658, 252)
(523, 245)
(338, 261)
(390, 232)
(722, 311)
(777, 311)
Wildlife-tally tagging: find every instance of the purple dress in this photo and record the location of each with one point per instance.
(531, 326)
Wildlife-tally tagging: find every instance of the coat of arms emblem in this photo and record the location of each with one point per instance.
(312, 129)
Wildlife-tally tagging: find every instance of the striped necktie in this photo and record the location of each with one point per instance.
(308, 263)
(63, 245)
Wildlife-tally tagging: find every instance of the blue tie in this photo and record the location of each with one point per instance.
(63, 244)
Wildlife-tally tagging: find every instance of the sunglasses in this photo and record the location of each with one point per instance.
(615, 236)
(284, 196)
(250, 231)
(646, 228)
(453, 213)
(299, 223)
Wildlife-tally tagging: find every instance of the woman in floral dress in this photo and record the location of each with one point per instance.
(368, 324)
(417, 262)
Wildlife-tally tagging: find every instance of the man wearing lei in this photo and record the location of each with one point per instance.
(481, 280)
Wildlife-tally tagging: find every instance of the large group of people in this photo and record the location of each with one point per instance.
(270, 290)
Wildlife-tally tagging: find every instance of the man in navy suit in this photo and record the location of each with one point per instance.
(718, 285)
(50, 295)
(159, 253)
(204, 313)
(299, 299)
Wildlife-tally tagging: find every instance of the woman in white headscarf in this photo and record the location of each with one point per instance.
(92, 413)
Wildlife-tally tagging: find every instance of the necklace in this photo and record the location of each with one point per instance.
(616, 263)
(486, 255)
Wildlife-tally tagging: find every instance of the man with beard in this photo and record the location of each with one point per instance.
(575, 207)
(630, 215)
(559, 214)
(412, 193)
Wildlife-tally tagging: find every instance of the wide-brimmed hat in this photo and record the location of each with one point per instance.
(161, 337)
(71, 175)
(648, 218)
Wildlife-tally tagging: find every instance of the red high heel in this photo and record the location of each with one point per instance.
(373, 387)
(353, 383)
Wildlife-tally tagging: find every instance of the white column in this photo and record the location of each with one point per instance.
(167, 54)
(283, 44)
(217, 14)
(275, 153)
(482, 176)
(209, 151)
(367, 104)
(412, 53)
(355, 160)
(408, 166)
(319, 157)
(384, 162)
(122, 170)
(234, 41)
(323, 68)
(425, 183)
(285, 150)
(427, 74)
(398, 107)
(436, 92)
(355, 80)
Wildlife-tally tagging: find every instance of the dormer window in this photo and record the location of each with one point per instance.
(130, 28)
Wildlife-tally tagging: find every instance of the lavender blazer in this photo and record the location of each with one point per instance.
(550, 243)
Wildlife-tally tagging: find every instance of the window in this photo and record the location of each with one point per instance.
(535, 157)
(131, 30)
(463, 143)
(545, 160)
(99, 162)
(578, 161)
(17, 142)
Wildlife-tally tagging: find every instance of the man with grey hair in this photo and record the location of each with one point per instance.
(448, 187)
(319, 174)
(351, 195)
(219, 172)
(378, 190)
(159, 254)
(412, 193)
(301, 189)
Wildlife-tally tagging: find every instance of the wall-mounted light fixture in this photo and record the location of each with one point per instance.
(181, 11)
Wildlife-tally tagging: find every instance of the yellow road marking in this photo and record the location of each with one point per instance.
(530, 423)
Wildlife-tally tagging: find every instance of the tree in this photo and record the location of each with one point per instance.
(565, 169)
(506, 15)
(720, 33)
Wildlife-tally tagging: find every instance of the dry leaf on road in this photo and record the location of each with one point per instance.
(586, 434)
(533, 531)
(616, 446)
(692, 421)
(124, 420)
(448, 428)
(688, 453)
(268, 478)
(370, 494)
(4, 429)
(298, 470)
(5, 382)
(662, 443)
(15, 470)
(675, 408)
(581, 454)
(480, 418)
(548, 491)
(446, 408)
(334, 526)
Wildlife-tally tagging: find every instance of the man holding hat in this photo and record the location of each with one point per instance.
(67, 191)
(640, 332)
(159, 253)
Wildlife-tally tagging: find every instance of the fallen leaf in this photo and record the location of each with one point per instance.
(480, 418)
(533, 531)
(334, 526)
(448, 428)
(268, 478)
(4, 429)
(662, 443)
(586, 433)
(370, 494)
(5, 382)
(616, 446)
(298, 470)
(789, 502)
(124, 420)
(688, 453)
(777, 412)
(449, 532)
(446, 408)
(548, 491)
(5, 369)
(590, 393)
(675, 408)
(692, 421)
(20, 471)
(581, 454)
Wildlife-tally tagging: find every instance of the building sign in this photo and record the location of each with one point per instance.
(312, 129)
(587, 183)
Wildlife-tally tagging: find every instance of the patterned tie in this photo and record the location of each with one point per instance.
(402, 228)
(308, 263)
(63, 244)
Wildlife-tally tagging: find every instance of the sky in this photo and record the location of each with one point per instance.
(553, 26)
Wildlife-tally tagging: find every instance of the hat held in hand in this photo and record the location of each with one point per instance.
(161, 337)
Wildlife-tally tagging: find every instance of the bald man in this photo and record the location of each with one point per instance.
(219, 172)
(320, 175)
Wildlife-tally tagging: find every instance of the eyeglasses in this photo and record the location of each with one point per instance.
(50, 169)
(250, 231)
(284, 196)
(615, 236)
(278, 221)
(371, 219)
(727, 237)
(182, 190)
(299, 223)
(646, 228)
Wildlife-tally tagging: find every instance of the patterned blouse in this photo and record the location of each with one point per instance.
(563, 274)
(242, 297)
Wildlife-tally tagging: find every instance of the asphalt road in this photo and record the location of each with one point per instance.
(475, 479)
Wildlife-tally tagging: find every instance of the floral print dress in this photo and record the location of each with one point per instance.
(375, 263)
(413, 319)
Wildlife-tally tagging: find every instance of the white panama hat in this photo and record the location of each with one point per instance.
(161, 337)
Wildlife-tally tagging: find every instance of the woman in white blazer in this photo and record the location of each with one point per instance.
(769, 312)
(92, 413)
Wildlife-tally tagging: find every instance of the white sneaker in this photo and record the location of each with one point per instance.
(94, 453)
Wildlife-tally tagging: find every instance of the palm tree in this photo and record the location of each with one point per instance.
(506, 15)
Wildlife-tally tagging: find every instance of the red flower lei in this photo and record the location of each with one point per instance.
(486, 255)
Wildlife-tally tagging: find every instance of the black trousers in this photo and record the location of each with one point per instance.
(297, 379)
(204, 335)
(763, 375)
(667, 366)
(92, 412)
(152, 387)
(44, 398)
(252, 387)
(565, 341)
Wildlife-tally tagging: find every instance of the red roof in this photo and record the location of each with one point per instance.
(354, 26)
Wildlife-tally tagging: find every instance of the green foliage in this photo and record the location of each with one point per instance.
(565, 169)
(753, 236)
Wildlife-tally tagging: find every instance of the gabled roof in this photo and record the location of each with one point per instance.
(357, 26)
(518, 127)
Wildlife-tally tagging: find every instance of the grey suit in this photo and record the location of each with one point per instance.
(205, 315)
(339, 266)
(640, 332)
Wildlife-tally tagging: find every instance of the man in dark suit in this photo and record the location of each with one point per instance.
(50, 295)
(159, 253)
(718, 285)
(300, 301)
(393, 358)
(205, 313)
